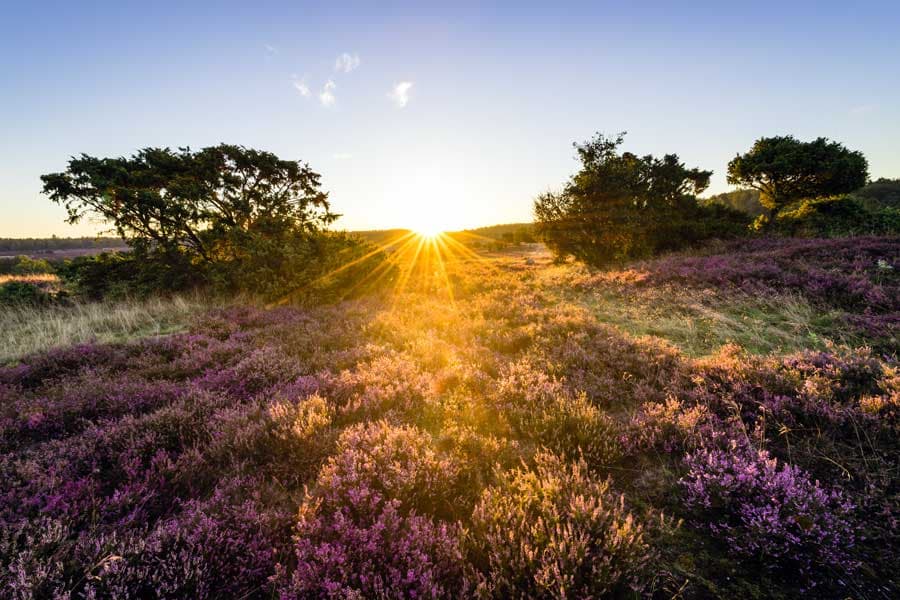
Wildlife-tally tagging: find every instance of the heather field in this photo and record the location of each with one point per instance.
(723, 424)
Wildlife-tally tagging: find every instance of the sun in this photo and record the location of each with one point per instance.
(427, 227)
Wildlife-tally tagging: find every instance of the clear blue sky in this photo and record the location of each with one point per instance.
(498, 92)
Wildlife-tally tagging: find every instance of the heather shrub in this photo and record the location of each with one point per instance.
(393, 462)
(886, 406)
(388, 384)
(541, 408)
(67, 406)
(362, 531)
(770, 512)
(670, 427)
(556, 532)
(226, 546)
(612, 368)
(286, 438)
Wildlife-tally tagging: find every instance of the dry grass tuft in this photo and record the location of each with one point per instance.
(24, 330)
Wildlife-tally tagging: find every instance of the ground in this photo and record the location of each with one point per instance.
(721, 424)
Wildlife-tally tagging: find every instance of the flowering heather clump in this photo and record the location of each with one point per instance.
(671, 426)
(225, 546)
(544, 409)
(771, 512)
(556, 532)
(359, 534)
(388, 383)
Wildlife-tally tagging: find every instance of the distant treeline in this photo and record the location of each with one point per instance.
(508, 233)
(503, 232)
(10, 245)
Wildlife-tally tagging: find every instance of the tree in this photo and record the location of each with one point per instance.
(744, 200)
(785, 170)
(620, 205)
(223, 211)
(883, 193)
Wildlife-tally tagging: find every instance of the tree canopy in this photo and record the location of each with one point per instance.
(200, 203)
(226, 215)
(784, 170)
(620, 205)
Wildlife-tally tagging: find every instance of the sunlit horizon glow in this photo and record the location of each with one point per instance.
(414, 261)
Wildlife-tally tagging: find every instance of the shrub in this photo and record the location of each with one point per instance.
(621, 206)
(359, 533)
(670, 426)
(541, 408)
(556, 532)
(770, 512)
(839, 216)
(25, 265)
(23, 293)
(226, 546)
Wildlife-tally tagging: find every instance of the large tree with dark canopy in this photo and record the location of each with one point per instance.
(784, 170)
(620, 205)
(199, 203)
(233, 215)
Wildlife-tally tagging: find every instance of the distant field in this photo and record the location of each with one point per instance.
(62, 254)
(58, 248)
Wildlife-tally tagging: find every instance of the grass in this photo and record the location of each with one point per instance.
(25, 330)
(700, 324)
(36, 278)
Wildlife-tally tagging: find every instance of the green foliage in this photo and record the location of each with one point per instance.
(831, 217)
(26, 265)
(621, 206)
(22, 293)
(119, 275)
(302, 269)
(881, 194)
(745, 201)
(238, 219)
(785, 170)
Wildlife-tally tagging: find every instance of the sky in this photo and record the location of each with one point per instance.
(456, 113)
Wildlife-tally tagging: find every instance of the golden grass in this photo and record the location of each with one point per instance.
(46, 278)
(24, 330)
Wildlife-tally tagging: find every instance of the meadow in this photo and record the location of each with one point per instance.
(723, 424)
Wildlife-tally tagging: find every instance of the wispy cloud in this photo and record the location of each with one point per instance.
(341, 156)
(301, 87)
(399, 94)
(326, 96)
(271, 50)
(346, 62)
(862, 109)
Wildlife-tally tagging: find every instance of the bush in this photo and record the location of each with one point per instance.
(621, 206)
(359, 532)
(26, 265)
(542, 409)
(23, 293)
(771, 512)
(556, 532)
(832, 217)
(124, 274)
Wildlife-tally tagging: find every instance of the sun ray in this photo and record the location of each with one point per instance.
(435, 242)
(378, 249)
